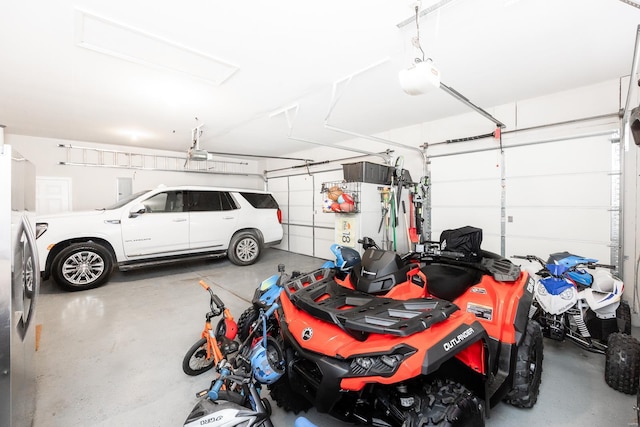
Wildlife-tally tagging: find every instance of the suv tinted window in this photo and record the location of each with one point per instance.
(200, 201)
(260, 200)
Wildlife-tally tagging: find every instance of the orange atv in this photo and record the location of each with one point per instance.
(435, 337)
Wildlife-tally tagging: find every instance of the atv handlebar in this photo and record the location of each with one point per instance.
(594, 265)
(590, 265)
(368, 242)
(531, 258)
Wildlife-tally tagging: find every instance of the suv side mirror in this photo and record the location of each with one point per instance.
(136, 210)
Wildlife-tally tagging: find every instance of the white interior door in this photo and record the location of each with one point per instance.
(53, 195)
(125, 187)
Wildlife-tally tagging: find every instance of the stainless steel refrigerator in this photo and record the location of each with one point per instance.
(19, 287)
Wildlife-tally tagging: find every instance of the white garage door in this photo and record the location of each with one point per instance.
(557, 196)
(307, 230)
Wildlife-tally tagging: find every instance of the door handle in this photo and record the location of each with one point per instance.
(180, 220)
(227, 217)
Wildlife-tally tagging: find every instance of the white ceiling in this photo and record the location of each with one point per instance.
(290, 52)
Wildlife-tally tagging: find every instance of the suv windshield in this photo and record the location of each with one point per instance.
(126, 200)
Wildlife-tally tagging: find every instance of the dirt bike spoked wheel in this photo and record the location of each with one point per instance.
(528, 372)
(622, 363)
(195, 362)
(447, 404)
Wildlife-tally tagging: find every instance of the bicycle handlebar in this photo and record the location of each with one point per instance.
(217, 301)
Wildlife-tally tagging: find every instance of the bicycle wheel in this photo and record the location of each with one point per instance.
(195, 361)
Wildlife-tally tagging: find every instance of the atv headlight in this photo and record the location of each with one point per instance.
(383, 365)
(567, 294)
(542, 291)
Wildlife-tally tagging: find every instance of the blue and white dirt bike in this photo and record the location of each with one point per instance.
(578, 299)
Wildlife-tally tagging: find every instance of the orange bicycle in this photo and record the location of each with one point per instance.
(213, 345)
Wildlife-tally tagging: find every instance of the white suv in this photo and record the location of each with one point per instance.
(80, 249)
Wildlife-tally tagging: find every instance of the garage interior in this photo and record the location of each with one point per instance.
(525, 135)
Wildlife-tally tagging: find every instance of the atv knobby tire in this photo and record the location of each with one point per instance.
(283, 394)
(623, 316)
(622, 363)
(528, 370)
(446, 404)
(245, 322)
(286, 398)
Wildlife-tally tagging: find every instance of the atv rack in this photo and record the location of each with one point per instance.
(360, 314)
(501, 269)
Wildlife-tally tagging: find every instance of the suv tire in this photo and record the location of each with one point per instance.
(81, 266)
(244, 248)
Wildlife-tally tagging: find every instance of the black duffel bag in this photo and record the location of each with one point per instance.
(465, 240)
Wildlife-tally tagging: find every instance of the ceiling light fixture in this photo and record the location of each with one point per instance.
(422, 76)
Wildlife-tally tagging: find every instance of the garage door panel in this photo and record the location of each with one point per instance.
(584, 190)
(284, 243)
(301, 240)
(566, 224)
(486, 218)
(466, 193)
(323, 241)
(582, 155)
(279, 188)
(472, 166)
(301, 200)
(278, 185)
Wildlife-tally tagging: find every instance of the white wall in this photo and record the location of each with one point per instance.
(95, 187)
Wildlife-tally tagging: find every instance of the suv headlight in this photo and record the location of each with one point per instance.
(41, 227)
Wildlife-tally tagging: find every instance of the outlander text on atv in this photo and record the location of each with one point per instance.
(433, 337)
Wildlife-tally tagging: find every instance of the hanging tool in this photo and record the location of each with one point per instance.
(406, 224)
(385, 194)
(394, 217)
(418, 198)
(413, 233)
(398, 173)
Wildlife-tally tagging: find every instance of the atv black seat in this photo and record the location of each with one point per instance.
(360, 313)
(447, 281)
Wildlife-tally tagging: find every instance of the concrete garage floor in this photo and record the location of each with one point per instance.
(112, 356)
